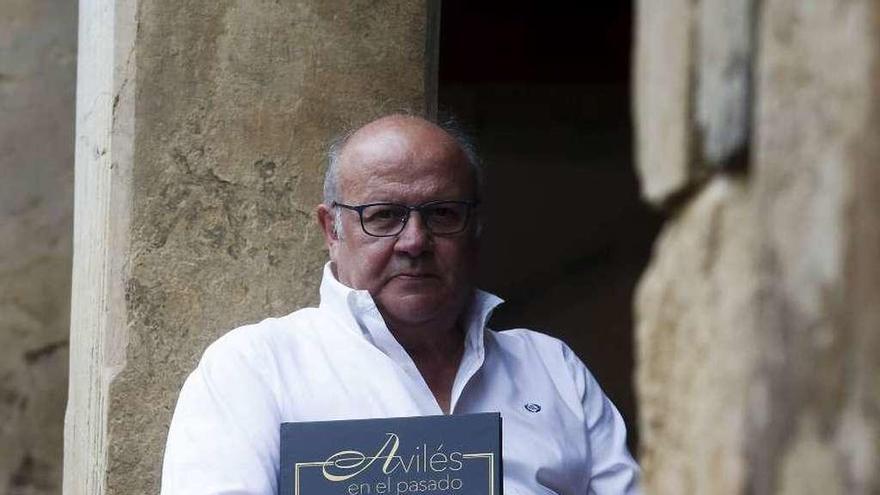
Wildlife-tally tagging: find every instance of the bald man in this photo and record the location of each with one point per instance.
(400, 331)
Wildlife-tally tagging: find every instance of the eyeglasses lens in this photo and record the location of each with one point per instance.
(448, 217)
(384, 220)
(445, 218)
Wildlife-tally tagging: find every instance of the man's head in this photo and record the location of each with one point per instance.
(416, 276)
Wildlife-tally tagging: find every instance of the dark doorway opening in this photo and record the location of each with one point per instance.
(546, 92)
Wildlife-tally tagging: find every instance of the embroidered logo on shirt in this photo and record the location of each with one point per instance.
(532, 407)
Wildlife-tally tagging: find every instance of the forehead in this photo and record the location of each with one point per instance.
(403, 158)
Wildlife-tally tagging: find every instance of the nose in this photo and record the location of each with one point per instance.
(415, 239)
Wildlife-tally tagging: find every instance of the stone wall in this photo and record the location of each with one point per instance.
(37, 75)
(201, 128)
(757, 319)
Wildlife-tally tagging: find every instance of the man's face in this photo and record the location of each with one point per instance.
(415, 277)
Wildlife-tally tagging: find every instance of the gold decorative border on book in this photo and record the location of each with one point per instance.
(490, 456)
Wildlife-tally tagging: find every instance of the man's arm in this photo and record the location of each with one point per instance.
(225, 431)
(613, 470)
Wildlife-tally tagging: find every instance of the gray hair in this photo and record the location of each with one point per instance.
(331, 178)
(448, 124)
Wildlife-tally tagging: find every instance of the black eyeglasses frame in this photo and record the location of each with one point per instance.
(470, 204)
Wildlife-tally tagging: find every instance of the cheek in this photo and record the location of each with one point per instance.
(364, 263)
(456, 259)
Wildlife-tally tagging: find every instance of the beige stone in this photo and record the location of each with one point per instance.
(37, 72)
(693, 92)
(695, 311)
(196, 205)
(760, 374)
(663, 87)
(724, 81)
(816, 176)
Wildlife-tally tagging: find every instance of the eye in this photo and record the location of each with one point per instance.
(442, 211)
(384, 214)
(445, 216)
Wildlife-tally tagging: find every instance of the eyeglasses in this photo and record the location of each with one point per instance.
(389, 219)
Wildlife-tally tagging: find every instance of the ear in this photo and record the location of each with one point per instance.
(327, 222)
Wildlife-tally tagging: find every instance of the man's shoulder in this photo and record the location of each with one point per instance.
(254, 339)
(530, 345)
(523, 337)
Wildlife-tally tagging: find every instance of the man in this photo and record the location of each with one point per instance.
(400, 331)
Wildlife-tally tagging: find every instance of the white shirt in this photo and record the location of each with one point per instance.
(560, 433)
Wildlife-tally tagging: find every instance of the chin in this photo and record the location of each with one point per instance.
(415, 309)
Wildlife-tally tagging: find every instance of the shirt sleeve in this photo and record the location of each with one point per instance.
(224, 435)
(613, 471)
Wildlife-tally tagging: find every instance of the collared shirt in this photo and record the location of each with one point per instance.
(561, 434)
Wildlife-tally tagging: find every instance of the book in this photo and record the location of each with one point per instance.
(424, 455)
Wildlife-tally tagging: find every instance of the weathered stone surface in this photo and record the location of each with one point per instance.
(693, 85)
(817, 389)
(37, 73)
(220, 112)
(724, 81)
(101, 211)
(695, 311)
(664, 56)
(760, 374)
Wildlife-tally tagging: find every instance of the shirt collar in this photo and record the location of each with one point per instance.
(359, 311)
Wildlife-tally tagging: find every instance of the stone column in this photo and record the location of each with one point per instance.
(200, 139)
(758, 342)
(37, 73)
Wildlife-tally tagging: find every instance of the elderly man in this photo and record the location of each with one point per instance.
(400, 331)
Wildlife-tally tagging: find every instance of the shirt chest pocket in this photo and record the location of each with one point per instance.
(546, 450)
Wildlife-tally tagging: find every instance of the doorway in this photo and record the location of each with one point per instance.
(545, 90)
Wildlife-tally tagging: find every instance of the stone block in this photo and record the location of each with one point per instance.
(663, 87)
(693, 91)
(758, 369)
(818, 118)
(695, 312)
(724, 82)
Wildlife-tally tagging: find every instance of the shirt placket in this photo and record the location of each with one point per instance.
(385, 342)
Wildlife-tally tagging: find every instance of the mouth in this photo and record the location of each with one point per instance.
(416, 275)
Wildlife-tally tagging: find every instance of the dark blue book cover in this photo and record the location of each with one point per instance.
(458, 454)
